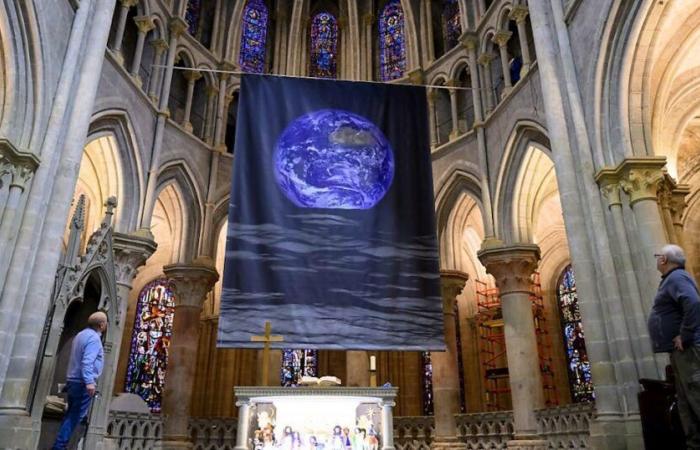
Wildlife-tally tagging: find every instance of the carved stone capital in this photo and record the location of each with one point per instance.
(501, 38)
(211, 90)
(131, 252)
(192, 75)
(177, 26)
(451, 284)
(469, 40)
(128, 3)
(642, 177)
(193, 281)
(511, 266)
(144, 23)
(678, 204)
(159, 46)
(485, 59)
(226, 68)
(519, 13)
(608, 180)
(20, 165)
(415, 76)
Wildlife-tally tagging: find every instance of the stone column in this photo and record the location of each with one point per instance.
(130, 252)
(243, 425)
(471, 42)
(512, 267)
(357, 367)
(144, 24)
(191, 76)
(453, 110)
(387, 424)
(21, 167)
(501, 39)
(519, 14)
(368, 22)
(219, 131)
(485, 62)
(640, 179)
(121, 26)
(446, 390)
(634, 313)
(159, 47)
(39, 241)
(191, 284)
(177, 27)
(432, 97)
(210, 122)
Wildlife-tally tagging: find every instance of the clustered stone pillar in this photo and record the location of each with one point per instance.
(512, 267)
(191, 283)
(635, 313)
(641, 179)
(446, 392)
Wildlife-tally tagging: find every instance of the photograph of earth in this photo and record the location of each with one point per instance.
(334, 159)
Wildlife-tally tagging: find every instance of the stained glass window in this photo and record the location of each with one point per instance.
(427, 384)
(451, 24)
(296, 364)
(253, 37)
(392, 43)
(148, 358)
(324, 46)
(194, 9)
(579, 367)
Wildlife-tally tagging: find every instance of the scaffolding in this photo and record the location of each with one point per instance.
(492, 346)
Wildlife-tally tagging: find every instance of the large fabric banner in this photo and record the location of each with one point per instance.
(331, 232)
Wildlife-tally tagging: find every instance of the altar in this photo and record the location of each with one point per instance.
(315, 418)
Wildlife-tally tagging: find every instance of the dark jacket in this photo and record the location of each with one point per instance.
(676, 311)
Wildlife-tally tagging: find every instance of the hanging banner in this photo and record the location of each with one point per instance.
(331, 233)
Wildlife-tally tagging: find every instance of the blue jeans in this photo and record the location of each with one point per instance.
(78, 404)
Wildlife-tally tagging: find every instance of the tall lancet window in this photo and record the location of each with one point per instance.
(451, 23)
(296, 364)
(392, 42)
(150, 340)
(324, 46)
(427, 379)
(194, 10)
(253, 37)
(579, 367)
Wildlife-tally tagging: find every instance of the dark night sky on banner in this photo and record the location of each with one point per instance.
(331, 223)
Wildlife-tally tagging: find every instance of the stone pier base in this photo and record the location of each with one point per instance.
(447, 443)
(527, 444)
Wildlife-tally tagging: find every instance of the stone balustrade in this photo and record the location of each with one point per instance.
(562, 427)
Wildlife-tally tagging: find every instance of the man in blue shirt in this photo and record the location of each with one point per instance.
(84, 368)
(674, 327)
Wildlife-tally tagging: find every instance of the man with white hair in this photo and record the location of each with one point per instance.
(674, 327)
(84, 368)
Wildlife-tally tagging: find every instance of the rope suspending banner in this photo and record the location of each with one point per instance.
(238, 72)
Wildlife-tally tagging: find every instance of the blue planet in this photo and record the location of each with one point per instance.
(333, 159)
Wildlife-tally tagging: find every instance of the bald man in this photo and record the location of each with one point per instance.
(674, 327)
(84, 368)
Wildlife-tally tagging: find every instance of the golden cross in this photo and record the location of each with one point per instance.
(266, 339)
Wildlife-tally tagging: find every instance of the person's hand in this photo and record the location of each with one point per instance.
(91, 389)
(678, 343)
